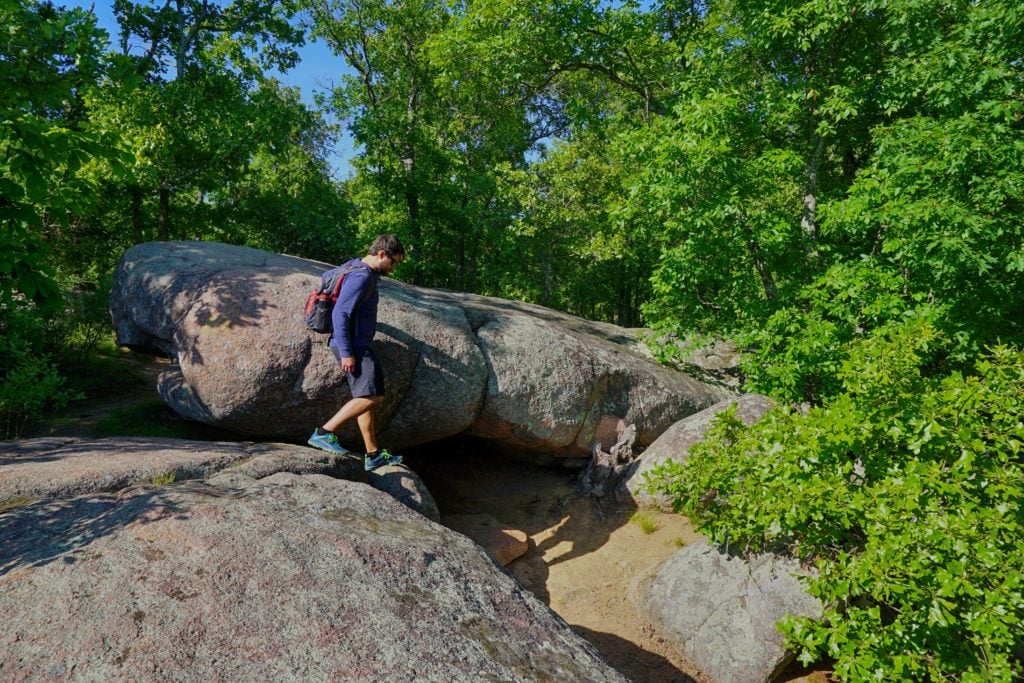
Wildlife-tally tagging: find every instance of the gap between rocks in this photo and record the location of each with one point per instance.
(584, 554)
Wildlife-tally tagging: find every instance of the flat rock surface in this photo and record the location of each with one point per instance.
(291, 577)
(53, 467)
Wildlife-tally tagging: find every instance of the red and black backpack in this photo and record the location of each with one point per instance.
(320, 303)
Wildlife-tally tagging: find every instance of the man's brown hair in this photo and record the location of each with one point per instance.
(389, 243)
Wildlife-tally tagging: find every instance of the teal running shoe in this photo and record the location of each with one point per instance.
(380, 459)
(327, 441)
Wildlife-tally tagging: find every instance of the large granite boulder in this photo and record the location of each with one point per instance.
(231, 317)
(289, 577)
(455, 363)
(720, 609)
(675, 443)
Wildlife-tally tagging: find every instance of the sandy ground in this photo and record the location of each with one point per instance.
(584, 556)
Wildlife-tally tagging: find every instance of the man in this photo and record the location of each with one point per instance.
(355, 322)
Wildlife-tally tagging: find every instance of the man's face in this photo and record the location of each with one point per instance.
(387, 262)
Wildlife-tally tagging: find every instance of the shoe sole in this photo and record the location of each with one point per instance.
(393, 461)
(343, 452)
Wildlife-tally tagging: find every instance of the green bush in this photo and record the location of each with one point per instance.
(84, 323)
(29, 388)
(50, 354)
(904, 490)
(30, 383)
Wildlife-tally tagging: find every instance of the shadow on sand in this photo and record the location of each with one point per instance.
(539, 496)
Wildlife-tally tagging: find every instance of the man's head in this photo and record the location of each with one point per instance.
(386, 252)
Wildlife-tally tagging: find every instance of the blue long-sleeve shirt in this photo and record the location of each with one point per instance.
(355, 314)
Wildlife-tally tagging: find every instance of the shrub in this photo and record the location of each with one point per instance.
(30, 383)
(48, 353)
(904, 490)
(27, 390)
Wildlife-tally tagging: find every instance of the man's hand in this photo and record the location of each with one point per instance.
(348, 364)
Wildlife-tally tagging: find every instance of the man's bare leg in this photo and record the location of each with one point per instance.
(366, 426)
(353, 409)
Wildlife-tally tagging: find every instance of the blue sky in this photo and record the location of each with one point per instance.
(317, 71)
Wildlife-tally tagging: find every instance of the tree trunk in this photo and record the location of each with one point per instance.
(163, 228)
(763, 272)
(135, 194)
(181, 49)
(809, 217)
(623, 303)
(460, 266)
(412, 197)
(412, 205)
(547, 294)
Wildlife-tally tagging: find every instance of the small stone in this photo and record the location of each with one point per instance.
(503, 542)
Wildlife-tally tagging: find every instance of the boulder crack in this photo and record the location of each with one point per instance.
(487, 364)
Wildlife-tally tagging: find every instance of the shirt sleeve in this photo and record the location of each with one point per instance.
(353, 290)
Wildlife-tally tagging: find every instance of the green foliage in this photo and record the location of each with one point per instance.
(29, 387)
(249, 36)
(51, 356)
(726, 205)
(100, 369)
(904, 491)
(248, 168)
(798, 351)
(30, 383)
(100, 151)
(566, 249)
(829, 173)
(287, 203)
(46, 55)
(459, 111)
(164, 478)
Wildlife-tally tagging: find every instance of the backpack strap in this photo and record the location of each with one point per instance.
(342, 272)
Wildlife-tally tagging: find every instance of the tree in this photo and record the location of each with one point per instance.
(286, 200)
(47, 56)
(193, 133)
(392, 99)
(250, 35)
(450, 101)
(802, 121)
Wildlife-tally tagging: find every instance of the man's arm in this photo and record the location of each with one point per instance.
(353, 290)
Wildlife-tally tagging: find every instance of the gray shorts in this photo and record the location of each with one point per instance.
(368, 378)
